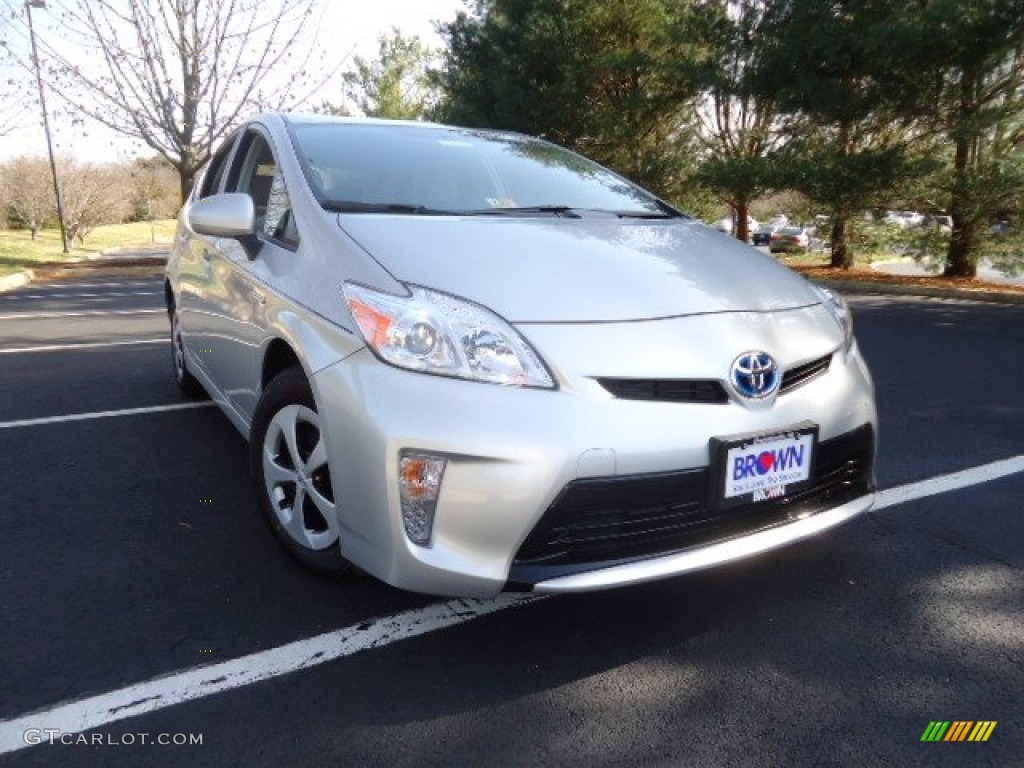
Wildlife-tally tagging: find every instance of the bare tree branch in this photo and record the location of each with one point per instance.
(179, 75)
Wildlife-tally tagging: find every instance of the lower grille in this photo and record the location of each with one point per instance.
(598, 522)
(667, 390)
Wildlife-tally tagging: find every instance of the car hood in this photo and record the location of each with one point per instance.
(543, 270)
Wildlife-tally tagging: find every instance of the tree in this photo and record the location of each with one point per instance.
(153, 190)
(179, 75)
(737, 125)
(615, 80)
(975, 100)
(29, 193)
(832, 67)
(92, 195)
(394, 85)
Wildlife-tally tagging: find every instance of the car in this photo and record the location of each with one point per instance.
(726, 225)
(763, 234)
(790, 240)
(904, 219)
(469, 362)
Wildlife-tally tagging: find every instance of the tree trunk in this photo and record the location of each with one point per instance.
(842, 256)
(959, 261)
(960, 256)
(186, 177)
(742, 228)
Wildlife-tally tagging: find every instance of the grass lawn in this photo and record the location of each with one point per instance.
(19, 251)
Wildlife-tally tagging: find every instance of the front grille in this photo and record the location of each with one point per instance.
(801, 374)
(667, 390)
(598, 522)
(703, 390)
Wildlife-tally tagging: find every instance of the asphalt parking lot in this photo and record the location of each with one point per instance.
(142, 597)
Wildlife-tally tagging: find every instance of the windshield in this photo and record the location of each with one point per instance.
(424, 169)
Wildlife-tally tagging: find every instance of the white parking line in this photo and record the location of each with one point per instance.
(78, 716)
(84, 313)
(102, 414)
(74, 284)
(199, 682)
(951, 482)
(81, 345)
(79, 295)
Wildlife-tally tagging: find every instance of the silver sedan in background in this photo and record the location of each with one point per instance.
(470, 361)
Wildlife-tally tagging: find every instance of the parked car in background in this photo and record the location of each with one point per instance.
(904, 219)
(725, 225)
(790, 240)
(763, 234)
(400, 319)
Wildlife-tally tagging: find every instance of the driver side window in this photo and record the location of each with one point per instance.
(257, 174)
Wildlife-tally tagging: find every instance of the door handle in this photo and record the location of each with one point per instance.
(257, 296)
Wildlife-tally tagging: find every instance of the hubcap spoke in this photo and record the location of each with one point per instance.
(291, 518)
(274, 473)
(325, 507)
(288, 437)
(318, 457)
(176, 344)
(289, 418)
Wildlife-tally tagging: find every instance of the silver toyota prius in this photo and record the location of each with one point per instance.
(470, 362)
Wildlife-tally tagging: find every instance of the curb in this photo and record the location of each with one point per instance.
(18, 279)
(895, 289)
(100, 267)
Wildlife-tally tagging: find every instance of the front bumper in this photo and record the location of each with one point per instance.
(511, 453)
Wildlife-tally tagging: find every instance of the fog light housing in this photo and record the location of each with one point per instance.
(419, 485)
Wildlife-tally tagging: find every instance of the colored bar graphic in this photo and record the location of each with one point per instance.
(935, 730)
(958, 730)
(982, 730)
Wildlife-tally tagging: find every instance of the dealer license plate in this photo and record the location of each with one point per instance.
(754, 468)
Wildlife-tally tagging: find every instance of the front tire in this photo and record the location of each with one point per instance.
(289, 458)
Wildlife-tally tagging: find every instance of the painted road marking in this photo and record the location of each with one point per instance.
(73, 284)
(82, 345)
(79, 295)
(951, 482)
(84, 313)
(101, 414)
(199, 682)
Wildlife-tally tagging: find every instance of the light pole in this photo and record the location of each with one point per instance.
(29, 5)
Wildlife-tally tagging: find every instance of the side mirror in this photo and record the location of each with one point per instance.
(231, 214)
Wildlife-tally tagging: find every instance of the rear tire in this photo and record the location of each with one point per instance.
(187, 383)
(289, 458)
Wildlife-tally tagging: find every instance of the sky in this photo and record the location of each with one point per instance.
(349, 27)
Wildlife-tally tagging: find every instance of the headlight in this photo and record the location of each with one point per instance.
(840, 311)
(433, 332)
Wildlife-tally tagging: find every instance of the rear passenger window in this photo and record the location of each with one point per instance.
(215, 170)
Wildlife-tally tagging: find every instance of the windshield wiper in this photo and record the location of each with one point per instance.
(644, 215)
(559, 210)
(568, 212)
(356, 206)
